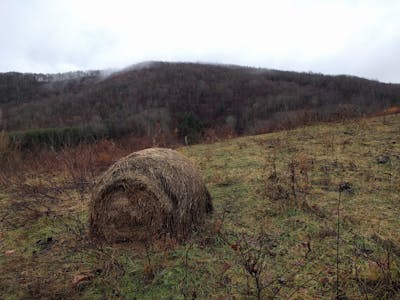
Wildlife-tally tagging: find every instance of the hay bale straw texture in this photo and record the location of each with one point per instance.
(149, 193)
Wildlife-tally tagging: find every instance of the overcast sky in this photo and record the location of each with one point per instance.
(335, 37)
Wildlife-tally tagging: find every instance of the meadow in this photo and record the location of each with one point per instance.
(309, 213)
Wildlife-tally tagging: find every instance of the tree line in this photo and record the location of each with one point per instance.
(184, 100)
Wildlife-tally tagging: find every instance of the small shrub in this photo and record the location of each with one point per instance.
(190, 127)
(4, 142)
(56, 138)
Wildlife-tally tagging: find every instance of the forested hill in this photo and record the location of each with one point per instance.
(186, 99)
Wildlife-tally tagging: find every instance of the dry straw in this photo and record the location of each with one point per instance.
(149, 193)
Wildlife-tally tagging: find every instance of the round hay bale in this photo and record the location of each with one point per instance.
(149, 193)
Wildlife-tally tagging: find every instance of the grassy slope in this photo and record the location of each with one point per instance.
(236, 173)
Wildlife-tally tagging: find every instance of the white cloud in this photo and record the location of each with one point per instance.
(345, 36)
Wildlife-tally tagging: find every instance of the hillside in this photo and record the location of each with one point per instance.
(276, 199)
(184, 99)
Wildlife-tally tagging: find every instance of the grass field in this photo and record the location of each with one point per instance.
(273, 233)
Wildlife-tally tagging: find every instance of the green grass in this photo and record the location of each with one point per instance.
(236, 173)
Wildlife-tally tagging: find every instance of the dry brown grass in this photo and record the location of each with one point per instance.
(45, 252)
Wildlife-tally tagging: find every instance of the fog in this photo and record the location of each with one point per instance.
(335, 37)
